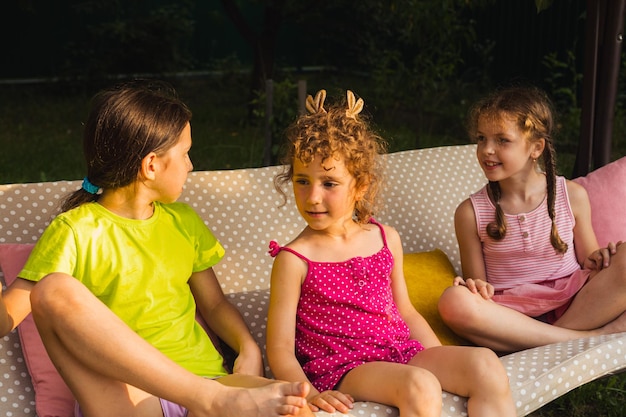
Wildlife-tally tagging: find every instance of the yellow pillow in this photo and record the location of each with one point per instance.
(427, 274)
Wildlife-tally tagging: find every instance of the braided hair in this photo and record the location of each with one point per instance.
(532, 111)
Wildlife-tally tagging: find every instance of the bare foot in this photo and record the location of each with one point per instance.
(276, 399)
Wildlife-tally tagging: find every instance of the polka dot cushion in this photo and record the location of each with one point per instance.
(422, 190)
(540, 375)
(17, 397)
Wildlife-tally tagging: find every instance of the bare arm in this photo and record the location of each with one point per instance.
(288, 274)
(14, 305)
(226, 321)
(585, 241)
(418, 326)
(471, 250)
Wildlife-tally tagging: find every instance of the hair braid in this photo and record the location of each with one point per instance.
(533, 113)
(549, 162)
(497, 229)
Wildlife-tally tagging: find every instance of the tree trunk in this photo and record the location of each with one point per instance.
(263, 44)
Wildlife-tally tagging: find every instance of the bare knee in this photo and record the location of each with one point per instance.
(615, 274)
(457, 307)
(53, 295)
(488, 373)
(421, 392)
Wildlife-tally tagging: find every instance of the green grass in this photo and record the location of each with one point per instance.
(41, 140)
(41, 131)
(40, 137)
(602, 398)
(41, 126)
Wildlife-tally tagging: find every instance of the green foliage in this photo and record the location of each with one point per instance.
(542, 5)
(40, 134)
(563, 78)
(134, 36)
(563, 81)
(284, 110)
(417, 69)
(601, 398)
(621, 89)
(619, 124)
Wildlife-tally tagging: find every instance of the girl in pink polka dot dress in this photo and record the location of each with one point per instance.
(340, 315)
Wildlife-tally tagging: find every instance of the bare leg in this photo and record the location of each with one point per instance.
(414, 391)
(602, 301)
(500, 328)
(472, 372)
(112, 371)
(598, 308)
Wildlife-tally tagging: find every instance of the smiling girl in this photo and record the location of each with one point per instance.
(533, 272)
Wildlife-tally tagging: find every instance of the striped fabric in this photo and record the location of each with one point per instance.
(525, 255)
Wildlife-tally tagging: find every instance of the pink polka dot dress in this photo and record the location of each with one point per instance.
(346, 317)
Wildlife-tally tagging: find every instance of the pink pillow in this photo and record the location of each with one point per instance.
(52, 397)
(606, 187)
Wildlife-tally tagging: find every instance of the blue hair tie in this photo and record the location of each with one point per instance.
(89, 187)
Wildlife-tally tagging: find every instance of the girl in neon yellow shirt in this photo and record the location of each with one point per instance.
(115, 279)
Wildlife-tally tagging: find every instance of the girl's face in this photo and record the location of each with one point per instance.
(503, 149)
(324, 192)
(175, 165)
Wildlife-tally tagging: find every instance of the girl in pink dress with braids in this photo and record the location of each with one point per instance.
(533, 271)
(340, 315)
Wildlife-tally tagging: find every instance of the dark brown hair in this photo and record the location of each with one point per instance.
(125, 124)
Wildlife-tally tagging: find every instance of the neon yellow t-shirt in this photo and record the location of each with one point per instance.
(140, 270)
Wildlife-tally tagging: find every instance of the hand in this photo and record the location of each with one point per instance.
(601, 258)
(331, 401)
(476, 286)
(248, 362)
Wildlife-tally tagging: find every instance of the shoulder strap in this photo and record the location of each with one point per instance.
(382, 230)
(275, 248)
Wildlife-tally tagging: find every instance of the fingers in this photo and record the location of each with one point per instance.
(482, 291)
(296, 404)
(302, 389)
(471, 285)
(458, 281)
(605, 256)
(331, 401)
(601, 258)
(478, 286)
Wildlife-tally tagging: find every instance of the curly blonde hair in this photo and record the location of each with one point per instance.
(335, 132)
